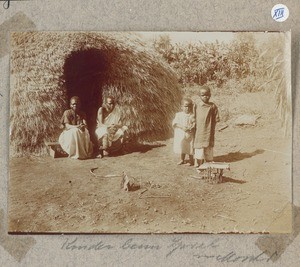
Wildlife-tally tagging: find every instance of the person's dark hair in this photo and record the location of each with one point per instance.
(205, 88)
(188, 100)
(75, 98)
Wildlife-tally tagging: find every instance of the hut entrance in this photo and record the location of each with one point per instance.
(85, 74)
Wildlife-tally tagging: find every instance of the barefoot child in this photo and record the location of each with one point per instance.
(184, 125)
(207, 117)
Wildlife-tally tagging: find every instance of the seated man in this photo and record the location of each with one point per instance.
(75, 139)
(109, 131)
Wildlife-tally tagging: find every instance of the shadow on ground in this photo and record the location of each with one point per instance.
(231, 180)
(237, 156)
(137, 147)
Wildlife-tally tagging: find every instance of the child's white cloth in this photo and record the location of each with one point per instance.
(183, 142)
(205, 153)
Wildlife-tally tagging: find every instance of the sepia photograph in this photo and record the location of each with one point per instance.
(150, 132)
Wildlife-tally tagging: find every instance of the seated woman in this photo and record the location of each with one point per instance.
(109, 131)
(75, 139)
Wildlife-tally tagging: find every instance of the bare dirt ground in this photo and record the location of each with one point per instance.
(61, 195)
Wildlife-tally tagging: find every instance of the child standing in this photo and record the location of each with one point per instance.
(207, 117)
(184, 125)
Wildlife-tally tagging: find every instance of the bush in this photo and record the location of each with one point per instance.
(201, 63)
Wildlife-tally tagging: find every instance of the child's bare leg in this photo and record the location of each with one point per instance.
(191, 160)
(182, 157)
(198, 163)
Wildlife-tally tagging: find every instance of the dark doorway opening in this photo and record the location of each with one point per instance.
(85, 73)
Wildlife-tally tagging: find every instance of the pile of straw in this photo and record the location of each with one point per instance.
(144, 86)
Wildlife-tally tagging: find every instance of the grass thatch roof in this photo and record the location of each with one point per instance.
(47, 68)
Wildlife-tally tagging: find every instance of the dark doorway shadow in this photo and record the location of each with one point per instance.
(237, 156)
(85, 73)
(231, 180)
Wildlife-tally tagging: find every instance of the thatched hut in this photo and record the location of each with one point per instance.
(48, 68)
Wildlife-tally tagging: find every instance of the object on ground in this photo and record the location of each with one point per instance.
(246, 120)
(128, 183)
(92, 171)
(222, 127)
(152, 196)
(212, 172)
(125, 183)
(55, 150)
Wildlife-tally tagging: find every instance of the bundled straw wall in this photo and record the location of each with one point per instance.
(48, 68)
